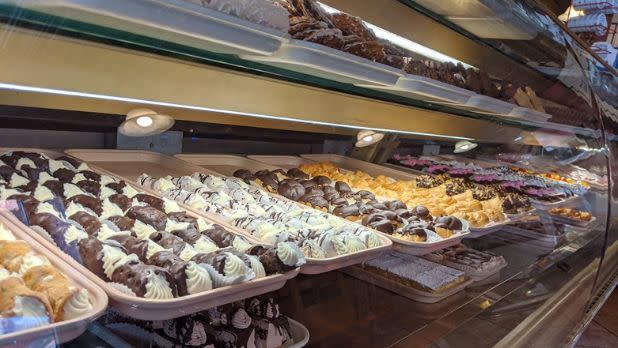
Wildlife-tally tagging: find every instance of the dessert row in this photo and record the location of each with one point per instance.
(254, 322)
(310, 21)
(33, 292)
(273, 220)
(337, 197)
(145, 246)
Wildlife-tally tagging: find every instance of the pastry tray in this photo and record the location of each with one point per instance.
(322, 61)
(149, 309)
(553, 218)
(414, 294)
(413, 248)
(491, 105)
(174, 21)
(285, 162)
(353, 164)
(122, 330)
(477, 232)
(129, 164)
(427, 89)
(538, 239)
(63, 331)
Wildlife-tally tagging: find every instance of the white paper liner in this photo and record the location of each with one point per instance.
(122, 288)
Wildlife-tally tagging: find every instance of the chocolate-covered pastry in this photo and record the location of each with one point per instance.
(120, 200)
(32, 173)
(338, 201)
(455, 187)
(91, 252)
(64, 175)
(314, 191)
(322, 180)
(28, 202)
(382, 225)
(351, 25)
(169, 241)
(347, 211)
(269, 179)
(173, 264)
(122, 222)
(449, 222)
(422, 212)
(117, 186)
(365, 209)
(308, 183)
(245, 175)
(315, 201)
(394, 205)
(133, 245)
(149, 216)
(50, 223)
(152, 201)
(328, 37)
(220, 236)
(90, 175)
(90, 223)
(55, 186)
(342, 187)
(366, 195)
(291, 191)
(297, 173)
(483, 193)
(269, 259)
(89, 202)
(136, 275)
(404, 214)
(372, 50)
(90, 186)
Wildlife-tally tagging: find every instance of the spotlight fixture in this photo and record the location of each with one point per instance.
(368, 137)
(464, 145)
(145, 122)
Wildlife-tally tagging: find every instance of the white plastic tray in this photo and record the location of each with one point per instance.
(401, 289)
(426, 89)
(491, 105)
(129, 164)
(149, 309)
(529, 114)
(318, 60)
(175, 21)
(58, 332)
(477, 232)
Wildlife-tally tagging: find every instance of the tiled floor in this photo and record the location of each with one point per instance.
(603, 331)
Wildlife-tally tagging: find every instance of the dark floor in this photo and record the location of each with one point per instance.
(603, 331)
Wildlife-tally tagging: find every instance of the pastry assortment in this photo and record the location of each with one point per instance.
(337, 198)
(572, 214)
(473, 262)
(311, 22)
(264, 12)
(271, 219)
(32, 291)
(144, 245)
(441, 197)
(506, 181)
(416, 272)
(252, 323)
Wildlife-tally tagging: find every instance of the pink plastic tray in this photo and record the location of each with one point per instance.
(63, 331)
(130, 164)
(149, 309)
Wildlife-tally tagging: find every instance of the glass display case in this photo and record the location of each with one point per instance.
(264, 173)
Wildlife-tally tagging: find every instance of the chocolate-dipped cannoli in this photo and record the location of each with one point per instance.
(134, 245)
(226, 263)
(148, 215)
(92, 203)
(152, 201)
(103, 257)
(122, 222)
(72, 161)
(284, 257)
(67, 301)
(191, 277)
(225, 239)
(92, 187)
(146, 280)
(122, 201)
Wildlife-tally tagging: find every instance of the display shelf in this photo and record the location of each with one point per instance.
(96, 26)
